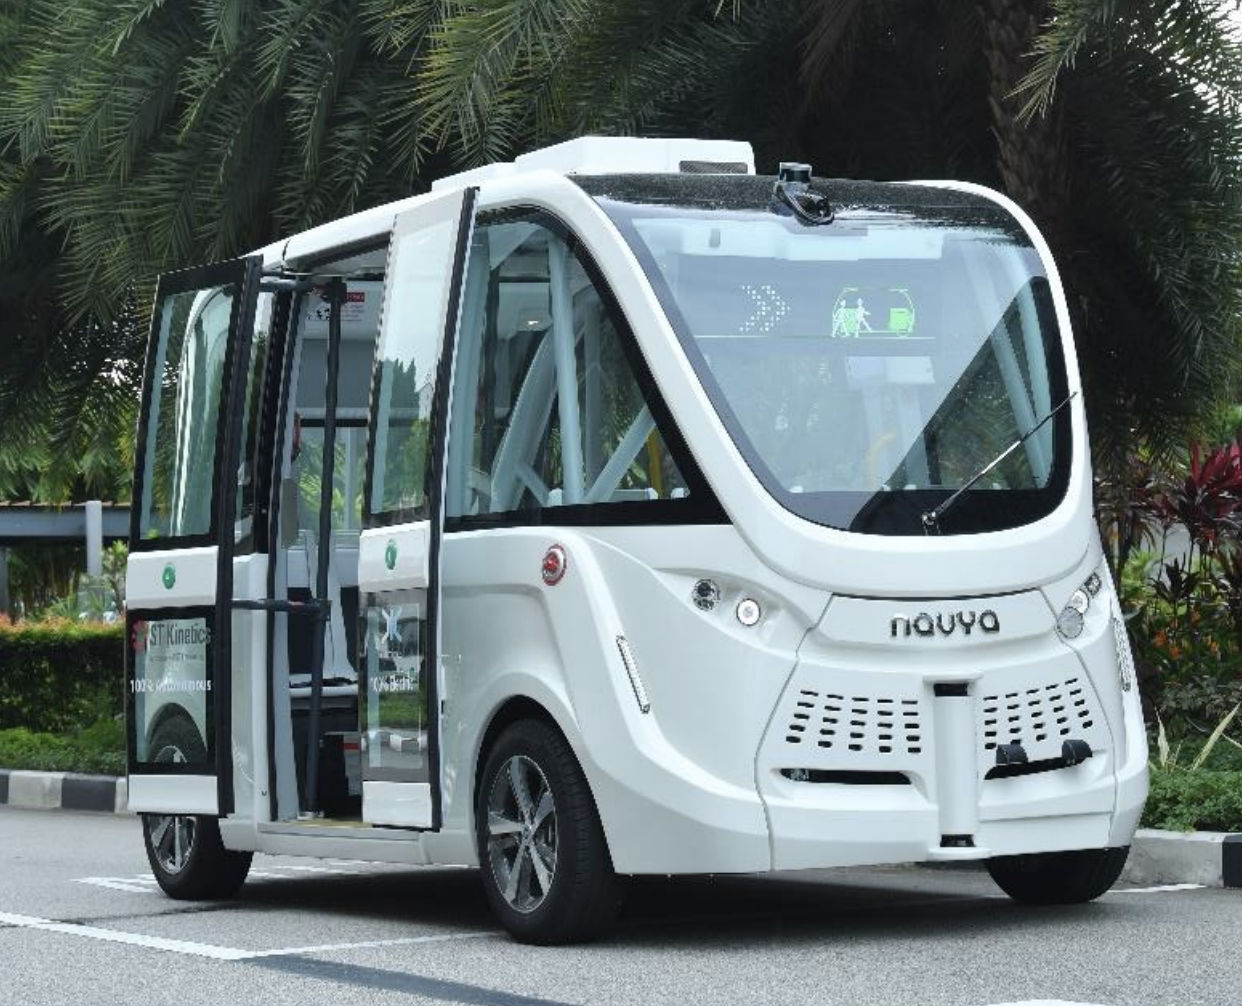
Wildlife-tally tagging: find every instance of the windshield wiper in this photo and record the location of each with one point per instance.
(931, 518)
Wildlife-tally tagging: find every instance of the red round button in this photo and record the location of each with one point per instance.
(555, 562)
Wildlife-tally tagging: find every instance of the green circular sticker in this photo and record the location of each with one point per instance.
(169, 576)
(390, 554)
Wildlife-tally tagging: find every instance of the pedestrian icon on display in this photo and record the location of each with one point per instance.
(859, 312)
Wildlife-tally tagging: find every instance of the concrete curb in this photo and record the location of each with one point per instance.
(63, 791)
(1210, 858)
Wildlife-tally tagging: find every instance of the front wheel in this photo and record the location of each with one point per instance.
(187, 856)
(545, 863)
(1058, 878)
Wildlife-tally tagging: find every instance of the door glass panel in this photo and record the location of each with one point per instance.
(243, 529)
(398, 666)
(183, 424)
(420, 265)
(170, 690)
(394, 689)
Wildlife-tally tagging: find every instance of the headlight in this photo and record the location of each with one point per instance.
(1070, 621)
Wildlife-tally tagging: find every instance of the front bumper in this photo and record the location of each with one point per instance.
(881, 752)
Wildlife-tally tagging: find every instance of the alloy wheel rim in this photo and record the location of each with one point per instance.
(521, 833)
(172, 835)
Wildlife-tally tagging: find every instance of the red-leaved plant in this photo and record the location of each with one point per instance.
(1208, 500)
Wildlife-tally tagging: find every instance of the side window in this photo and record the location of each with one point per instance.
(420, 265)
(547, 410)
(359, 330)
(182, 433)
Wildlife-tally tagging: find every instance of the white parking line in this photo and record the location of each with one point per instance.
(118, 884)
(323, 948)
(144, 883)
(212, 951)
(1045, 1002)
(1160, 889)
(115, 936)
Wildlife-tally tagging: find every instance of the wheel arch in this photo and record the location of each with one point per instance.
(511, 710)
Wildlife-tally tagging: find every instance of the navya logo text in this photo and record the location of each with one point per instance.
(944, 623)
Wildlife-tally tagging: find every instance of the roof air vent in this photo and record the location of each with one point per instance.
(714, 168)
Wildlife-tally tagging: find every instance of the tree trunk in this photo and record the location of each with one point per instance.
(1031, 155)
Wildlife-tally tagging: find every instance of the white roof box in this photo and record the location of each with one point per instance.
(612, 155)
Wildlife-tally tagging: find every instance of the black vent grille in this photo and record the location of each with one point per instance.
(1036, 715)
(713, 167)
(858, 724)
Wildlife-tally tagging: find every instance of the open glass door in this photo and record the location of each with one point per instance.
(179, 574)
(399, 550)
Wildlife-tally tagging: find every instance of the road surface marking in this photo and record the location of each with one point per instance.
(1045, 1002)
(1158, 889)
(324, 948)
(133, 939)
(118, 884)
(210, 950)
(144, 883)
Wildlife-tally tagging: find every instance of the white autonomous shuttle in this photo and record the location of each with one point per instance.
(619, 511)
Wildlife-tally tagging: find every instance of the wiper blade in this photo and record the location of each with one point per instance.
(931, 518)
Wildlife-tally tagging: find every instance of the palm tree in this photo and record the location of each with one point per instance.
(188, 132)
(139, 136)
(1115, 123)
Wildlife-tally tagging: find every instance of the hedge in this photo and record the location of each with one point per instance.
(1202, 799)
(60, 675)
(98, 749)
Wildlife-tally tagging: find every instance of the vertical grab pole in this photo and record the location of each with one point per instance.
(563, 345)
(334, 293)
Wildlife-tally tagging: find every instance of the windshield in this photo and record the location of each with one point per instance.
(867, 368)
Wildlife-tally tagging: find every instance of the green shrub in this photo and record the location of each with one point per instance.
(1188, 800)
(59, 674)
(99, 748)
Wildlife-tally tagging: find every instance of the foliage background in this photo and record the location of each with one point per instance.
(143, 135)
(59, 674)
(138, 136)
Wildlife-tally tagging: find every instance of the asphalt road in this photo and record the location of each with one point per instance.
(81, 922)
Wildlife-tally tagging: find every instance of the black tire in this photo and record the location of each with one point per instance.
(188, 859)
(1058, 878)
(581, 899)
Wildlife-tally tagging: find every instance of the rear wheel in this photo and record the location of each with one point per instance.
(188, 859)
(545, 863)
(1058, 878)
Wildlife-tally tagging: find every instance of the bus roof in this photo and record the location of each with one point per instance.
(587, 155)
